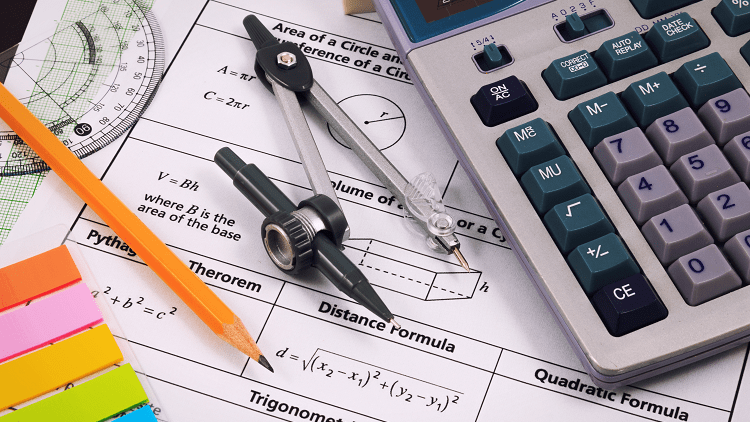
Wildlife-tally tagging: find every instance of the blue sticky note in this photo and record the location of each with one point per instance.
(144, 414)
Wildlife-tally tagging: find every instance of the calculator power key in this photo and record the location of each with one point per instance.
(677, 134)
(653, 97)
(628, 305)
(726, 211)
(676, 233)
(599, 118)
(625, 154)
(625, 56)
(503, 101)
(553, 182)
(727, 115)
(733, 17)
(649, 193)
(702, 172)
(652, 8)
(738, 152)
(703, 275)
(577, 221)
(600, 261)
(529, 144)
(676, 37)
(705, 78)
(574, 75)
(737, 249)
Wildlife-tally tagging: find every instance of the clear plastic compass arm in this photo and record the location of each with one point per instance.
(421, 198)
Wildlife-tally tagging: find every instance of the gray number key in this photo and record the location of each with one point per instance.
(703, 275)
(727, 116)
(738, 152)
(726, 211)
(676, 233)
(649, 193)
(677, 134)
(625, 154)
(702, 172)
(737, 250)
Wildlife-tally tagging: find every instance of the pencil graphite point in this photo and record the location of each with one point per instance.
(461, 259)
(264, 363)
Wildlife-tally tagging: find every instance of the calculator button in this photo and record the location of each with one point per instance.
(627, 305)
(703, 275)
(737, 250)
(745, 52)
(676, 37)
(553, 182)
(705, 78)
(600, 261)
(599, 118)
(738, 152)
(649, 193)
(625, 154)
(676, 233)
(677, 134)
(733, 16)
(529, 144)
(653, 97)
(652, 8)
(577, 221)
(727, 211)
(727, 116)
(503, 101)
(702, 172)
(573, 75)
(624, 56)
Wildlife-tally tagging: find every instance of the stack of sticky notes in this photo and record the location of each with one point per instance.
(52, 335)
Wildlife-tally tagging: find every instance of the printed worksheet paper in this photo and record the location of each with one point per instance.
(473, 346)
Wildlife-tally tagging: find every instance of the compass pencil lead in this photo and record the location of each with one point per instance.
(461, 259)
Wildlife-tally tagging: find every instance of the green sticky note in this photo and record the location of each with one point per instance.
(93, 401)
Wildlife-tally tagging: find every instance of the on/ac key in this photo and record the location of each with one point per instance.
(503, 101)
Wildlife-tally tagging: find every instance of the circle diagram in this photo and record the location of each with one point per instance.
(379, 118)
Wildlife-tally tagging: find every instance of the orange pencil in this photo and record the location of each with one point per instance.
(196, 295)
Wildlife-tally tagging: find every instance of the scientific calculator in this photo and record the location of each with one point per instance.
(610, 139)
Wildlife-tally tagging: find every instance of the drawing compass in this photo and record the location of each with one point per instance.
(312, 233)
(284, 69)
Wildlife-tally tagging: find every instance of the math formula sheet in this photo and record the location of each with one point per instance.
(473, 346)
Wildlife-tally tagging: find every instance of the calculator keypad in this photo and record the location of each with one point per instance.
(699, 195)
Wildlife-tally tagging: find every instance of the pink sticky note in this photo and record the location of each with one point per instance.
(47, 320)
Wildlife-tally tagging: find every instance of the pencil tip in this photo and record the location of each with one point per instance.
(264, 363)
(461, 259)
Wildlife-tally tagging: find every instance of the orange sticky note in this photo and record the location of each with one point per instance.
(37, 276)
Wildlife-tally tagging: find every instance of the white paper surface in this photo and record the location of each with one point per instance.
(491, 338)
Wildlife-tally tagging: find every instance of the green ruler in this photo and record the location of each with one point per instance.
(88, 81)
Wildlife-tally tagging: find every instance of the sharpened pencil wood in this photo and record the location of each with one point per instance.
(191, 289)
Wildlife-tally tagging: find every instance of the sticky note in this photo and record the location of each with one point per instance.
(47, 320)
(144, 414)
(54, 366)
(37, 276)
(95, 400)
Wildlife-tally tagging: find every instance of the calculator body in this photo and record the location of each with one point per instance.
(441, 60)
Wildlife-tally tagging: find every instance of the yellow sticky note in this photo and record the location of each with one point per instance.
(44, 370)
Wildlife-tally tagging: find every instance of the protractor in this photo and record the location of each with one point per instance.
(88, 82)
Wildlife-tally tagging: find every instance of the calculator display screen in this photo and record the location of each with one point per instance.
(433, 10)
(424, 19)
